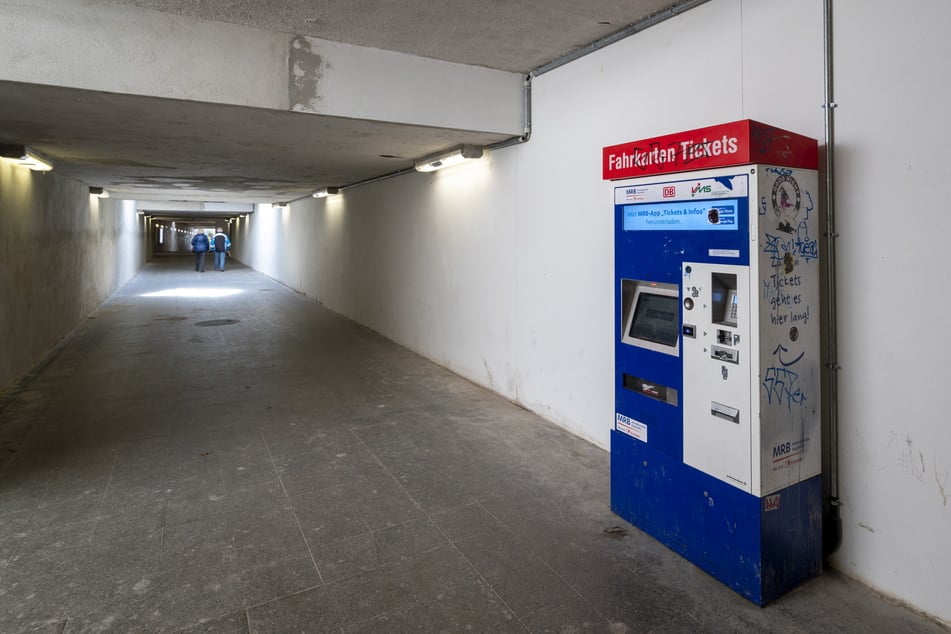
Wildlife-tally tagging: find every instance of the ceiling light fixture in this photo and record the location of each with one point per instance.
(99, 191)
(326, 191)
(450, 157)
(25, 157)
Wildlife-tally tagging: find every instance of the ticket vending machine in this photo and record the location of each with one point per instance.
(715, 449)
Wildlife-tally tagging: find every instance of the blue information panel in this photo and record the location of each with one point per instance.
(718, 215)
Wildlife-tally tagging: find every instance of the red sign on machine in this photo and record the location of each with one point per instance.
(736, 143)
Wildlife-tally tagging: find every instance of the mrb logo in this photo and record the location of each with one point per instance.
(781, 449)
(700, 188)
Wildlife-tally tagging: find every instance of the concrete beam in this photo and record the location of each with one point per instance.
(136, 51)
(366, 83)
(193, 206)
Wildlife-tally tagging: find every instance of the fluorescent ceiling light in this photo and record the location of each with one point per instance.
(450, 157)
(99, 191)
(26, 157)
(326, 191)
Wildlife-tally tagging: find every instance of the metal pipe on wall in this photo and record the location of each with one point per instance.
(832, 525)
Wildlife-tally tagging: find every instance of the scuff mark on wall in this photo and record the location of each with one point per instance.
(866, 527)
(938, 479)
(488, 372)
(306, 70)
(906, 459)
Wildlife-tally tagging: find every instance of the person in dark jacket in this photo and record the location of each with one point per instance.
(200, 247)
(221, 245)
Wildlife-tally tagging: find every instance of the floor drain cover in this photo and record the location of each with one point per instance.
(218, 322)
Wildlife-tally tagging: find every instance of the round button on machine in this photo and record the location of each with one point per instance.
(688, 303)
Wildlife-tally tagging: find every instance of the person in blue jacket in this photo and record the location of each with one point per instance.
(221, 245)
(200, 247)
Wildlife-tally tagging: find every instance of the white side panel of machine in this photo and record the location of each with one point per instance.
(787, 282)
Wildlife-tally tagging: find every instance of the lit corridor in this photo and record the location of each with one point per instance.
(212, 452)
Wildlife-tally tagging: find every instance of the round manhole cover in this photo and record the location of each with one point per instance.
(218, 322)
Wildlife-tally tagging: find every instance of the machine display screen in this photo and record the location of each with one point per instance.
(656, 319)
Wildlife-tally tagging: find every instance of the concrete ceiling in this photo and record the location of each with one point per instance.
(164, 149)
(167, 149)
(510, 35)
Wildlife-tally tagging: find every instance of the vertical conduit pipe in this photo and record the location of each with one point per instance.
(832, 522)
(526, 119)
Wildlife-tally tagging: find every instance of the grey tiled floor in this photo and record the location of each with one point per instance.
(292, 471)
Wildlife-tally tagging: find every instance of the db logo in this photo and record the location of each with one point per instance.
(670, 191)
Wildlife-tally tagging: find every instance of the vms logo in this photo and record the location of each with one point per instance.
(670, 191)
(772, 502)
(700, 188)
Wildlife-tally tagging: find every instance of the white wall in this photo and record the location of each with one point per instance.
(425, 259)
(893, 86)
(503, 270)
(717, 63)
(62, 253)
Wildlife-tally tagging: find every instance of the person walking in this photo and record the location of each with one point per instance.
(221, 245)
(200, 247)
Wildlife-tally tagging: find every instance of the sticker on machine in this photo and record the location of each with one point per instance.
(631, 427)
(724, 253)
(771, 503)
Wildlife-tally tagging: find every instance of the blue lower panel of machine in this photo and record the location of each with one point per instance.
(759, 547)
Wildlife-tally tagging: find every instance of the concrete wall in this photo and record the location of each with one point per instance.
(62, 253)
(502, 270)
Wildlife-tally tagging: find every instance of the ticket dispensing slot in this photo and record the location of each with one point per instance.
(652, 389)
(725, 354)
(725, 412)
